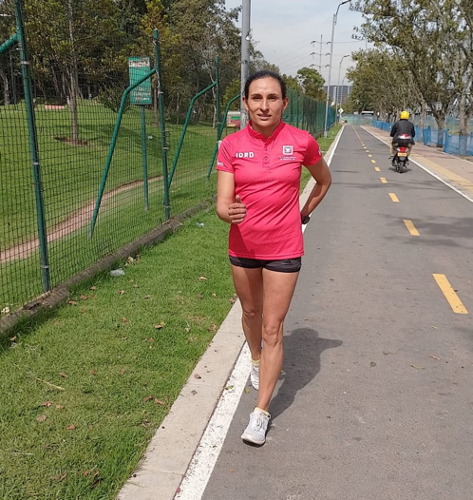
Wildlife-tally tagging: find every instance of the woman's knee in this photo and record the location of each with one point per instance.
(272, 332)
(251, 313)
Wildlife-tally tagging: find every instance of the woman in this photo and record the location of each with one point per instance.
(259, 170)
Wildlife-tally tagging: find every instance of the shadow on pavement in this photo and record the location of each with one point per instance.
(302, 351)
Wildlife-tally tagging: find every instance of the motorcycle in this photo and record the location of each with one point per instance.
(401, 155)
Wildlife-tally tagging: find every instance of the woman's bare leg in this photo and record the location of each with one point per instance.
(278, 289)
(249, 288)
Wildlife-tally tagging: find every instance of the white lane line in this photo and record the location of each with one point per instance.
(203, 462)
(428, 171)
(200, 469)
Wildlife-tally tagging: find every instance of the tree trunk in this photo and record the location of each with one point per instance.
(6, 88)
(440, 119)
(73, 107)
(73, 77)
(423, 107)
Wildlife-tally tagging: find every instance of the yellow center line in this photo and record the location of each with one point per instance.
(370, 156)
(373, 161)
(394, 198)
(368, 151)
(383, 180)
(450, 294)
(377, 169)
(411, 228)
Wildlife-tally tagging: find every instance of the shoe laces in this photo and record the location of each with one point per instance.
(257, 420)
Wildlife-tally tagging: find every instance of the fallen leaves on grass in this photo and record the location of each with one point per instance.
(41, 418)
(63, 375)
(83, 297)
(72, 302)
(122, 292)
(159, 326)
(93, 288)
(202, 278)
(59, 477)
(47, 404)
(93, 372)
(70, 427)
(159, 402)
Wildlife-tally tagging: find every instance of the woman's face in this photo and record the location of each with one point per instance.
(265, 105)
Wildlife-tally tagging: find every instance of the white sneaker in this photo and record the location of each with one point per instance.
(256, 431)
(254, 376)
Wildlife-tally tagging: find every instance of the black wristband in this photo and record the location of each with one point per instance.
(306, 219)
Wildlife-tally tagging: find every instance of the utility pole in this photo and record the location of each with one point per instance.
(245, 55)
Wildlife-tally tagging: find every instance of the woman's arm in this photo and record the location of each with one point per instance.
(229, 207)
(321, 173)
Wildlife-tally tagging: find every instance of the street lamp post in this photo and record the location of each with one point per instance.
(330, 67)
(245, 56)
(338, 100)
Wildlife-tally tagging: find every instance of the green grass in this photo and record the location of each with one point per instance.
(71, 174)
(79, 384)
(111, 358)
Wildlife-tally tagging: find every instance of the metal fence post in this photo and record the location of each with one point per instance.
(157, 57)
(34, 148)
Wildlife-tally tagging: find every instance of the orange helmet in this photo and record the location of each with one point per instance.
(404, 115)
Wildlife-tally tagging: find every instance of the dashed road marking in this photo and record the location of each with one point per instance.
(394, 198)
(377, 169)
(450, 294)
(373, 161)
(383, 180)
(411, 228)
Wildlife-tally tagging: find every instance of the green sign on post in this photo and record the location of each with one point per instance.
(138, 68)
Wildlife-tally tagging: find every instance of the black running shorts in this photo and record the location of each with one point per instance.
(279, 266)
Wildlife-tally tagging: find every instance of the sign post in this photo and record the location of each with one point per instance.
(141, 96)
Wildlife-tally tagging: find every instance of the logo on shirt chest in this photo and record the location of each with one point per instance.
(287, 153)
(245, 154)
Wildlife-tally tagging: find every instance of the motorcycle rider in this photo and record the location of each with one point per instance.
(402, 126)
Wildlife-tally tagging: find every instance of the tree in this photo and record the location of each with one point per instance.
(312, 83)
(70, 41)
(428, 35)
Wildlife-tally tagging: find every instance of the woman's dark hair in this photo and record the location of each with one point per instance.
(265, 74)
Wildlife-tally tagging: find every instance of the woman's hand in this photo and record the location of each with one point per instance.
(237, 211)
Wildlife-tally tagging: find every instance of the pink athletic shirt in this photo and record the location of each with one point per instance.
(267, 178)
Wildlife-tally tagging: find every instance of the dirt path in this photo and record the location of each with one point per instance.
(76, 221)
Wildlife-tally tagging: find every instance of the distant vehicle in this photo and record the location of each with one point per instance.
(367, 113)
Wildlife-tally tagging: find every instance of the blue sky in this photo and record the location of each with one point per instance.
(284, 30)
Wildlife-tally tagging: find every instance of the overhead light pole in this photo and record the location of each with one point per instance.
(338, 100)
(245, 56)
(330, 66)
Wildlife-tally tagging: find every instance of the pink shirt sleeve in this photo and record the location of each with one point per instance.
(224, 158)
(313, 152)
